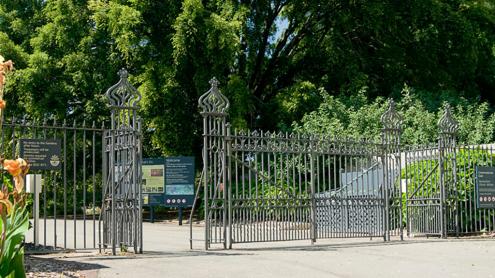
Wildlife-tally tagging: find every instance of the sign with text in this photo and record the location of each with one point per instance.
(42, 154)
(179, 181)
(153, 181)
(485, 187)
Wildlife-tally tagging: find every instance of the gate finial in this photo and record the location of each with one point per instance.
(391, 119)
(447, 124)
(213, 101)
(123, 94)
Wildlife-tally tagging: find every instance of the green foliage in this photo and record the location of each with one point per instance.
(357, 116)
(467, 160)
(12, 255)
(276, 60)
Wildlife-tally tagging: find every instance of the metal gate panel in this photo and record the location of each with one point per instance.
(271, 185)
(423, 191)
(431, 180)
(350, 195)
(122, 218)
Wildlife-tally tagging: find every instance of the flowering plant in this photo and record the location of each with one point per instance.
(14, 218)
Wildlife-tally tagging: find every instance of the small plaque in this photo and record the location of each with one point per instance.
(41, 154)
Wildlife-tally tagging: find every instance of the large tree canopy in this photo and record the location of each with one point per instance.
(273, 58)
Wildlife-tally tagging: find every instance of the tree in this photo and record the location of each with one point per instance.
(272, 57)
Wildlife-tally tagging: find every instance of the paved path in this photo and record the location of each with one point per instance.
(167, 254)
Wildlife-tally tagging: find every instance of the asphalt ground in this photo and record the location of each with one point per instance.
(167, 254)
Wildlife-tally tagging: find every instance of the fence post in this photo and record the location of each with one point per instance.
(213, 107)
(391, 131)
(447, 128)
(312, 142)
(229, 184)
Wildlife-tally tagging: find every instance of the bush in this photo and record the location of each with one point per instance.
(358, 116)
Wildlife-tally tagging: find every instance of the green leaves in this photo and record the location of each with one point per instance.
(358, 116)
(12, 256)
(276, 61)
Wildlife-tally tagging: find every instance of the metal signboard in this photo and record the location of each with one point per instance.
(42, 154)
(485, 187)
(179, 181)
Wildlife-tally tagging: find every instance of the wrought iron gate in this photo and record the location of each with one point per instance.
(262, 186)
(121, 214)
(430, 178)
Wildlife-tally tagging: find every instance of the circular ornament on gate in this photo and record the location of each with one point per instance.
(168, 201)
(173, 201)
(54, 160)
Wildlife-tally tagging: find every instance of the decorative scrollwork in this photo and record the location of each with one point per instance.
(123, 94)
(213, 101)
(391, 119)
(447, 124)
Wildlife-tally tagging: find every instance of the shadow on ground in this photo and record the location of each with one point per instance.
(343, 245)
(39, 265)
(171, 254)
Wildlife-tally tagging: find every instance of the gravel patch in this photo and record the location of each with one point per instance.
(41, 266)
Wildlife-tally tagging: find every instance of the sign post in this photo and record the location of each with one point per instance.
(485, 187)
(33, 185)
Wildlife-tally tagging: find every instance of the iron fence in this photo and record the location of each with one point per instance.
(70, 198)
(262, 186)
(94, 199)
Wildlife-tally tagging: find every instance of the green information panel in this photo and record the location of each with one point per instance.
(153, 177)
(168, 181)
(153, 181)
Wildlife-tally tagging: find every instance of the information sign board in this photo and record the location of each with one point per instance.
(485, 187)
(179, 181)
(42, 154)
(153, 181)
(168, 181)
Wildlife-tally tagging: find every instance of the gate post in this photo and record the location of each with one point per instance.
(447, 128)
(213, 107)
(391, 131)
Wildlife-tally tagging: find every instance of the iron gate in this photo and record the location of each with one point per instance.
(431, 181)
(262, 186)
(122, 199)
(93, 201)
